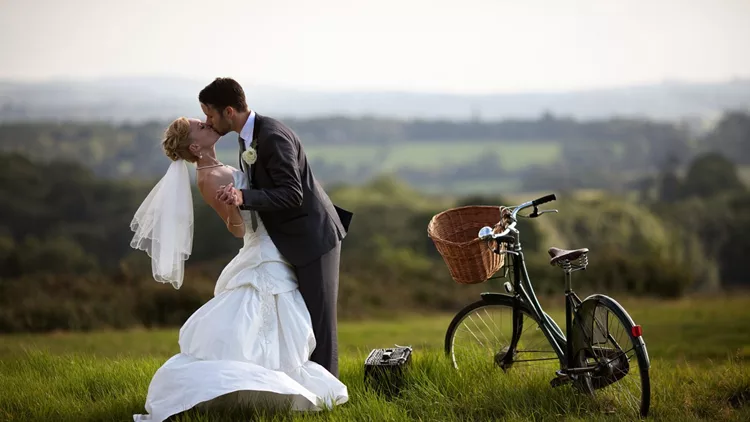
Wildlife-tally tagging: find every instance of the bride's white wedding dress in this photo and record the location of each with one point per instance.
(250, 343)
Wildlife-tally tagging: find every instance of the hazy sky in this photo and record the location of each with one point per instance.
(478, 46)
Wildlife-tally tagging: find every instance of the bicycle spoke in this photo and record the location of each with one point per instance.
(624, 385)
(484, 336)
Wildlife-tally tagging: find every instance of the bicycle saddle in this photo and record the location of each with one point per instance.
(558, 254)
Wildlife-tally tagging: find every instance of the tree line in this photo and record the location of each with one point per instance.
(65, 260)
(612, 154)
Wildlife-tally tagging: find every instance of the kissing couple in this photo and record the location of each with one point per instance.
(268, 337)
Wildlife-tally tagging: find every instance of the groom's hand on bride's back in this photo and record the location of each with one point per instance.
(229, 195)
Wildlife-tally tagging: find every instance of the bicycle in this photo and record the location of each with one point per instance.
(590, 357)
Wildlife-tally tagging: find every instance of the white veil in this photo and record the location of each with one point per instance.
(163, 225)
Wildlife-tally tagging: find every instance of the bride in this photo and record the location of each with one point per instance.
(250, 344)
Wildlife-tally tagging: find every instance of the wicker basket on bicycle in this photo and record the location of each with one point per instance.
(454, 233)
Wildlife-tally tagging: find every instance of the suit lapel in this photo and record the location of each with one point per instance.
(257, 125)
(243, 165)
(254, 143)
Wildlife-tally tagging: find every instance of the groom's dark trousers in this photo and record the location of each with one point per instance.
(319, 285)
(303, 223)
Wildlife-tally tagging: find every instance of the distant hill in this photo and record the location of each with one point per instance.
(139, 99)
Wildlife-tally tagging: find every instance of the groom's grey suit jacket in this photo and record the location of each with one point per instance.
(298, 214)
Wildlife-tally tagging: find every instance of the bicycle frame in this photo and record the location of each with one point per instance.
(524, 292)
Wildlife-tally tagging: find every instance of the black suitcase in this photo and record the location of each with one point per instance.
(385, 369)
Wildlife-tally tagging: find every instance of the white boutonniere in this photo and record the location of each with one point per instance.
(249, 156)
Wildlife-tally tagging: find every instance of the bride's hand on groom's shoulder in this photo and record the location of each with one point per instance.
(229, 195)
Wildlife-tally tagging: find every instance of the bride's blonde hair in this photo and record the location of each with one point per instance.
(177, 140)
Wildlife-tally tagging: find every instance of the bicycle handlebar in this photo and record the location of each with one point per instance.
(486, 232)
(543, 200)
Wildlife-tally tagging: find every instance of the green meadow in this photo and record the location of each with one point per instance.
(699, 349)
(511, 155)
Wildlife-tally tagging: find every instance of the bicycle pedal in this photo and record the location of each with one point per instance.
(561, 379)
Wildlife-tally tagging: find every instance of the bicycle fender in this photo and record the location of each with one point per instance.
(584, 317)
(493, 298)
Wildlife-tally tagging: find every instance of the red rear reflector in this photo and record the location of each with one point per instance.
(637, 331)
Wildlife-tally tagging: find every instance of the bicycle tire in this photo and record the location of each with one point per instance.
(488, 300)
(584, 348)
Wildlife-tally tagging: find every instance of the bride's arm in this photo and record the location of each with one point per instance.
(232, 219)
(229, 214)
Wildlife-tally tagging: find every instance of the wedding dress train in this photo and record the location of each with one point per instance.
(249, 345)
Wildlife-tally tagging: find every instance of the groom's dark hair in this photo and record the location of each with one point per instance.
(223, 93)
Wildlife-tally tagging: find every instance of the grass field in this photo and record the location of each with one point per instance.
(699, 348)
(512, 155)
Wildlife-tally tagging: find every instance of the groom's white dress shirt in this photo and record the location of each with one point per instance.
(247, 135)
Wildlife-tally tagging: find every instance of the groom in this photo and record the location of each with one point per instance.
(300, 218)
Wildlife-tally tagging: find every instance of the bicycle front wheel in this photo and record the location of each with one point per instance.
(605, 337)
(481, 335)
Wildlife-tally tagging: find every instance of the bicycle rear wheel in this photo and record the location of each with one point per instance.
(606, 337)
(481, 335)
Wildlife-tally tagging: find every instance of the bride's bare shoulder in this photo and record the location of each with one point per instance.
(216, 177)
